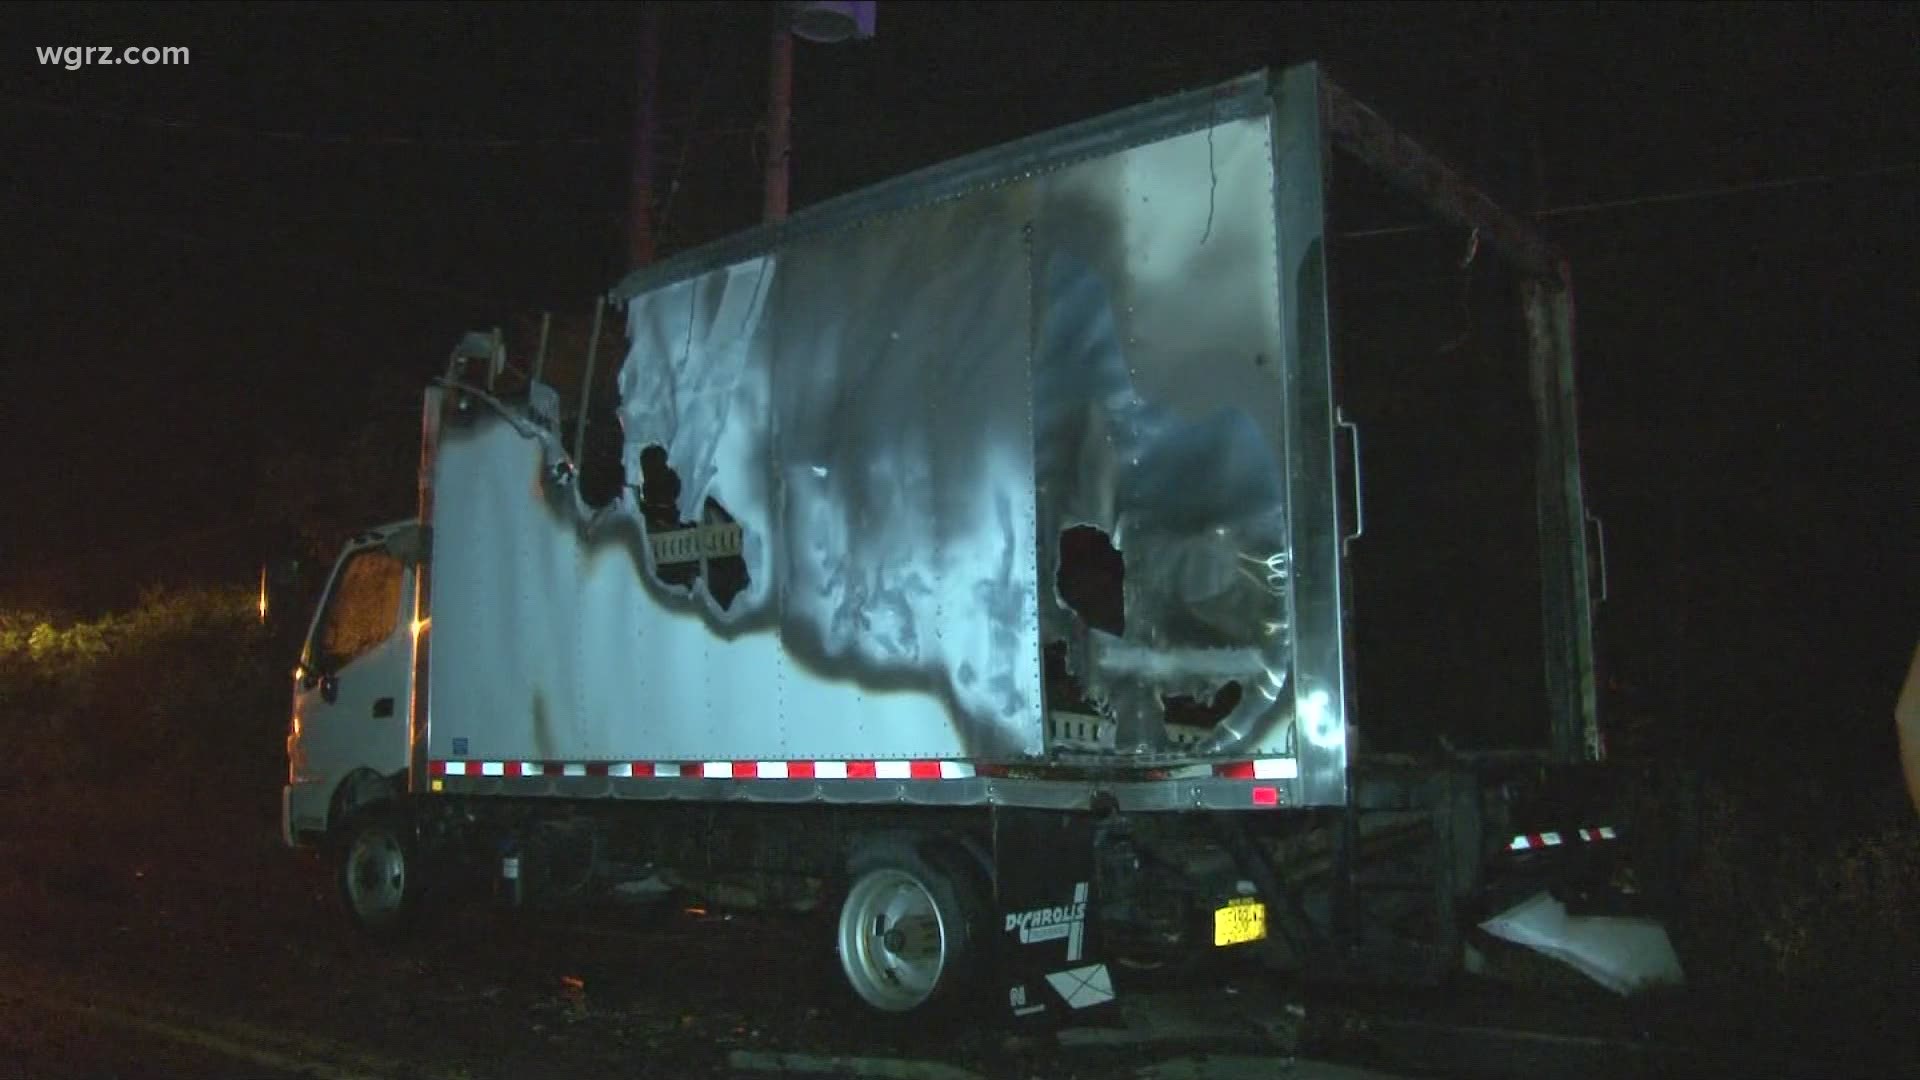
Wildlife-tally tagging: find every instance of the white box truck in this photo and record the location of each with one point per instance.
(978, 570)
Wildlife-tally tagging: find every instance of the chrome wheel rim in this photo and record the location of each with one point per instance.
(376, 873)
(893, 943)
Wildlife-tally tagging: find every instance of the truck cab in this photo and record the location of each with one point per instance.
(347, 743)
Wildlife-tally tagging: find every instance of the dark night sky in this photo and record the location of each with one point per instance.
(205, 261)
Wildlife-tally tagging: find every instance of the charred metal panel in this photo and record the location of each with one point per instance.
(1158, 392)
(857, 403)
(1314, 491)
(1567, 605)
(1403, 162)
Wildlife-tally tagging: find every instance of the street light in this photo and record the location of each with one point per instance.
(824, 21)
(830, 23)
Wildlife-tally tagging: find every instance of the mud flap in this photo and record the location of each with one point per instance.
(1048, 956)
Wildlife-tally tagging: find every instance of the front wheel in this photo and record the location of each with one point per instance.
(380, 874)
(910, 929)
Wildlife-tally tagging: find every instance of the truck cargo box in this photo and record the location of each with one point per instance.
(1026, 460)
(895, 405)
(1006, 507)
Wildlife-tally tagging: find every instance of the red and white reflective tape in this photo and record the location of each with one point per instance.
(714, 770)
(1285, 768)
(1530, 841)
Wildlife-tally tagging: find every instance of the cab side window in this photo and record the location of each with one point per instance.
(362, 612)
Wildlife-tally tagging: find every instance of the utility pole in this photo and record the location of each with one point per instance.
(779, 115)
(823, 21)
(640, 223)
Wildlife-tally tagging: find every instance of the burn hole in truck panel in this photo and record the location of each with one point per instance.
(602, 473)
(1091, 578)
(684, 550)
(659, 507)
(1189, 712)
(726, 574)
(1063, 688)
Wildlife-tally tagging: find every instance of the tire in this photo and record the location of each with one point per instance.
(911, 932)
(379, 874)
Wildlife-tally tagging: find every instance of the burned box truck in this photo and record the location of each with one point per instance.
(980, 573)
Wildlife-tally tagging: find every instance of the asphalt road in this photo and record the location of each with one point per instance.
(59, 1042)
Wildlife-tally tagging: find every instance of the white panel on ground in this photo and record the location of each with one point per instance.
(1621, 953)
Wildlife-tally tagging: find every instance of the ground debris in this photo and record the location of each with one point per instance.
(1230, 1067)
(838, 1065)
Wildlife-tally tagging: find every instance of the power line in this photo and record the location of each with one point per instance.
(1730, 189)
(1665, 198)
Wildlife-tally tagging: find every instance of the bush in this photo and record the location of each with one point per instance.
(1852, 920)
(1776, 898)
(183, 685)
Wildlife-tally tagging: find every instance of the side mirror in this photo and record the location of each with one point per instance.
(312, 677)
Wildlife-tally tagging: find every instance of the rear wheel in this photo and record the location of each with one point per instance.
(379, 873)
(910, 931)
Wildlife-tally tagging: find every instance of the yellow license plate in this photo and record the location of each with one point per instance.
(1239, 922)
